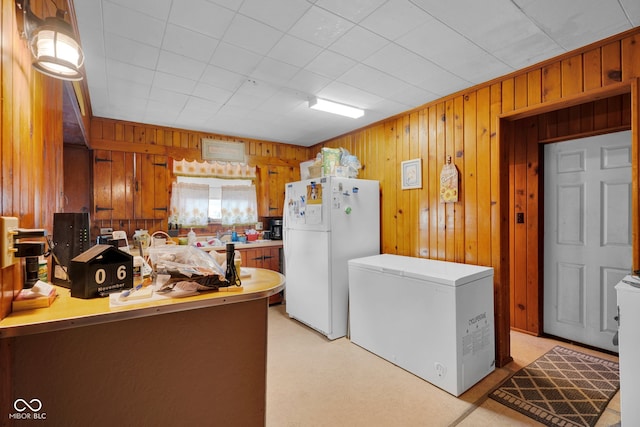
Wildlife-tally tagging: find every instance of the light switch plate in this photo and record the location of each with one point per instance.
(8, 225)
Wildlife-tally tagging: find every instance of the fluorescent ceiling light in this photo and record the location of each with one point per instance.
(335, 108)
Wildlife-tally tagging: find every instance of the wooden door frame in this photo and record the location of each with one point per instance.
(505, 128)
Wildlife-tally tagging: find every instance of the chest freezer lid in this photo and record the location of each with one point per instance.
(446, 273)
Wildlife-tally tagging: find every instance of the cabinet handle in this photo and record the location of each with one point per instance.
(272, 173)
(272, 209)
(160, 209)
(266, 257)
(100, 159)
(100, 209)
(164, 165)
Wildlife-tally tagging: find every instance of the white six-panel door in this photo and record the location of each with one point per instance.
(587, 238)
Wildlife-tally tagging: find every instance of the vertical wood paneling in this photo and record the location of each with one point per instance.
(457, 158)
(533, 223)
(571, 75)
(470, 178)
(487, 107)
(611, 63)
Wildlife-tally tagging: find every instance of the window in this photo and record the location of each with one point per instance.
(226, 201)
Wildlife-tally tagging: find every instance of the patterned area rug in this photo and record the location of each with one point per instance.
(562, 388)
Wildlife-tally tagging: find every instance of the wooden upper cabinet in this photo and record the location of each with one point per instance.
(129, 185)
(152, 187)
(272, 186)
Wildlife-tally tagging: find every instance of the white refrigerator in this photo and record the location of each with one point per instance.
(326, 222)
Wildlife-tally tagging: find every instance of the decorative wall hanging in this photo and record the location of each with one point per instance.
(411, 174)
(213, 169)
(225, 151)
(449, 183)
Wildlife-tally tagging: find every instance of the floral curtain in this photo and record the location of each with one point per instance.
(189, 204)
(227, 170)
(239, 205)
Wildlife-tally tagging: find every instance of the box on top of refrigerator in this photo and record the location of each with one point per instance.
(433, 318)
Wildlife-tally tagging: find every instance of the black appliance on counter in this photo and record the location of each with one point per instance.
(276, 229)
(71, 237)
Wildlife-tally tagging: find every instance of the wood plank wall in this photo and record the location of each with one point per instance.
(497, 156)
(30, 155)
(31, 145)
(130, 137)
(108, 134)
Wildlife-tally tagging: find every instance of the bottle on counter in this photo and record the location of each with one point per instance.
(191, 237)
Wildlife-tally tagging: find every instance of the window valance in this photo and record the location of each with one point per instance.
(228, 170)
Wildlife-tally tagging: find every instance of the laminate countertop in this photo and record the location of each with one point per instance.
(66, 312)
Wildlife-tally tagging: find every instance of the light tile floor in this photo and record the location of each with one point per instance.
(312, 381)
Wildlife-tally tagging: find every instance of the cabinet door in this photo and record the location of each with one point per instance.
(151, 185)
(252, 257)
(271, 258)
(102, 194)
(272, 182)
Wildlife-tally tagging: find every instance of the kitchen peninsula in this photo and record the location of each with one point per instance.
(189, 361)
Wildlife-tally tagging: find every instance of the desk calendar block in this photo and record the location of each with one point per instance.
(99, 271)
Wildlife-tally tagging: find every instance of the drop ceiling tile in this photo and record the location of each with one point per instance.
(161, 113)
(212, 93)
(91, 30)
(221, 78)
(371, 80)
(189, 43)
(632, 10)
(229, 4)
(492, 31)
(252, 35)
(200, 109)
(133, 25)
(280, 14)
(120, 89)
(168, 97)
(156, 8)
(124, 71)
(452, 51)
(350, 95)
(307, 82)
(294, 51)
(353, 10)
(174, 83)
(394, 18)
(358, 43)
(403, 64)
(235, 59)
(131, 52)
(201, 16)
(282, 102)
(573, 27)
(413, 96)
(320, 27)
(330, 64)
(274, 72)
(180, 66)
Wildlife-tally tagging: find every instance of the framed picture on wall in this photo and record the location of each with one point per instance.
(411, 173)
(223, 151)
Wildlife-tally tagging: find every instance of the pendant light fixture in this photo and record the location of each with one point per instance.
(53, 45)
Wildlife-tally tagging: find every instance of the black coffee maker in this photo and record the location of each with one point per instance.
(276, 229)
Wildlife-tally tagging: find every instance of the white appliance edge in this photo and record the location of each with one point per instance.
(319, 239)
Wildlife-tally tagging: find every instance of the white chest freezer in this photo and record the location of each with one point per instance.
(433, 318)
